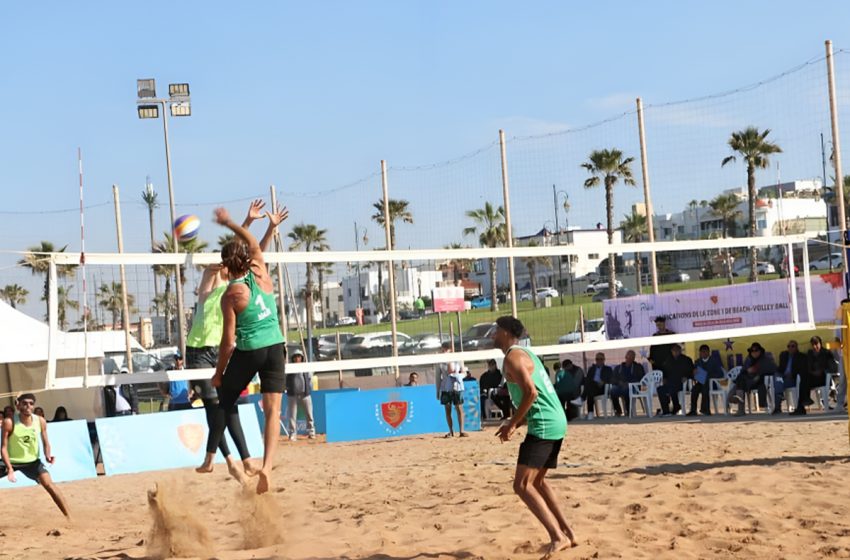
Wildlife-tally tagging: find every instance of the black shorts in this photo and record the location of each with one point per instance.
(451, 397)
(269, 362)
(203, 358)
(30, 470)
(539, 453)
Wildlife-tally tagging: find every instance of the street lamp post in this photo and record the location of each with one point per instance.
(357, 231)
(555, 194)
(148, 107)
(825, 199)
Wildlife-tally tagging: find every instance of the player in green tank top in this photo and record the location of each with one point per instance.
(249, 343)
(537, 404)
(20, 449)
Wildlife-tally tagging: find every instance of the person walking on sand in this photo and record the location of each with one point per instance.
(251, 340)
(450, 391)
(537, 404)
(22, 435)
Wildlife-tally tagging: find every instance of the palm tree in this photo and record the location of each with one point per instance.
(149, 197)
(531, 263)
(308, 237)
(110, 298)
(224, 239)
(322, 269)
(63, 304)
(608, 167)
(398, 210)
(166, 301)
(14, 294)
(39, 264)
(754, 148)
(459, 266)
(490, 227)
(725, 207)
(634, 229)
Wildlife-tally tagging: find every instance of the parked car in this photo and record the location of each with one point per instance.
(601, 286)
(621, 293)
(525, 296)
(823, 262)
(430, 343)
(546, 292)
(327, 344)
(346, 321)
(594, 331)
(742, 267)
(372, 345)
(675, 276)
(408, 314)
(479, 302)
(479, 337)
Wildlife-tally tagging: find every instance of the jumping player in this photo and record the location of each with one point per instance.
(202, 351)
(251, 340)
(537, 403)
(20, 449)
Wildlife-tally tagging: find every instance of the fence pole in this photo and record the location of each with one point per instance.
(281, 288)
(506, 194)
(836, 155)
(647, 197)
(125, 307)
(391, 267)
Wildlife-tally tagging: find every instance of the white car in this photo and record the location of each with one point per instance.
(823, 262)
(346, 321)
(594, 331)
(546, 292)
(742, 268)
(602, 286)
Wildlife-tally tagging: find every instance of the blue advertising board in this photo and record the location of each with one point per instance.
(71, 447)
(166, 440)
(319, 407)
(396, 412)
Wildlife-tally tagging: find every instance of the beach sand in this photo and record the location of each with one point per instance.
(753, 488)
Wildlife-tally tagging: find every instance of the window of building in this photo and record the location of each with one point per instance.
(339, 299)
(592, 256)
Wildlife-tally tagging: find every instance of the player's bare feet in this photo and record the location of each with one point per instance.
(251, 468)
(235, 471)
(207, 466)
(570, 535)
(263, 482)
(563, 542)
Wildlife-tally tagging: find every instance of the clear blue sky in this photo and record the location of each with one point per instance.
(310, 96)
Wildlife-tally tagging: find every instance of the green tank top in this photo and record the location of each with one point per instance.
(24, 441)
(546, 418)
(207, 323)
(257, 326)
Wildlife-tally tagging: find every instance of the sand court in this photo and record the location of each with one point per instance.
(681, 488)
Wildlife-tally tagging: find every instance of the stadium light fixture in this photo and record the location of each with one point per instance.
(146, 88)
(178, 92)
(181, 109)
(148, 111)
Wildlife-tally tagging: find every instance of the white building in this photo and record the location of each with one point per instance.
(363, 290)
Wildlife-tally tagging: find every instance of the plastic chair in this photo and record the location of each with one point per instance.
(687, 388)
(491, 411)
(720, 388)
(791, 395)
(827, 388)
(605, 398)
(643, 391)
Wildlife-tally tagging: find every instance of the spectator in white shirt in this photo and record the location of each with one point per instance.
(450, 391)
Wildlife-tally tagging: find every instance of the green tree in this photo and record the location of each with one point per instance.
(309, 238)
(63, 303)
(167, 301)
(14, 295)
(39, 264)
(634, 230)
(607, 167)
(398, 210)
(110, 298)
(490, 228)
(458, 265)
(531, 263)
(725, 207)
(322, 269)
(149, 197)
(753, 148)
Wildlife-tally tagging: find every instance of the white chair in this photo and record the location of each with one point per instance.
(827, 388)
(491, 411)
(604, 399)
(791, 395)
(720, 388)
(687, 388)
(643, 391)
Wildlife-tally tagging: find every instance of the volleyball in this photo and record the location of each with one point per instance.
(186, 227)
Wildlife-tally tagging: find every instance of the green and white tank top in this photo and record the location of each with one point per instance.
(24, 441)
(546, 418)
(257, 326)
(207, 323)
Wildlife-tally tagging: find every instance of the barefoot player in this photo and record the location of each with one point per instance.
(20, 449)
(537, 404)
(251, 339)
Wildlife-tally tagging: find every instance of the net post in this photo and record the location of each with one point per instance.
(807, 282)
(506, 194)
(281, 288)
(647, 198)
(795, 311)
(125, 308)
(52, 323)
(391, 264)
(836, 151)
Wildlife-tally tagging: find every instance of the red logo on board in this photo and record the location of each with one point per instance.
(394, 412)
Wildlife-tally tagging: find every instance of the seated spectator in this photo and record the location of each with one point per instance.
(568, 382)
(61, 415)
(706, 368)
(489, 381)
(627, 372)
(756, 366)
(793, 364)
(594, 382)
(118, 400)
(412, 380)
(469, 376)
(178, 392)
(9, 412)
(676, 369)
(820, 361)
(38, 411)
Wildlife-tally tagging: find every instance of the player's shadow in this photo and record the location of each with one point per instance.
(685, 468)
(457, 555)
